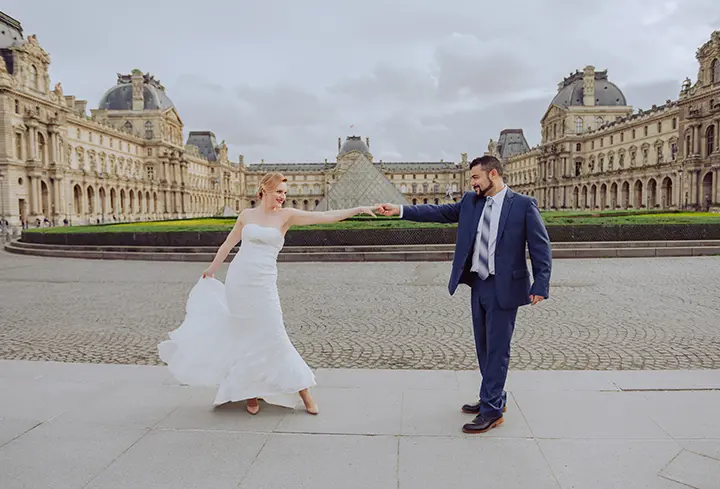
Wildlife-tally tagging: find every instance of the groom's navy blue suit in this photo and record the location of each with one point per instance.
(496, 299)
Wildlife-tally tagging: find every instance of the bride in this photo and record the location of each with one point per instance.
(233, 335)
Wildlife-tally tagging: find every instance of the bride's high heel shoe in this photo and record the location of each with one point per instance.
(252, 406)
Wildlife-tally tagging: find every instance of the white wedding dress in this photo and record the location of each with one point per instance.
(234, 336)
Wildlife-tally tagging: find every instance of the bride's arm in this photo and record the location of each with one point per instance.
(230, 242)
(303, 218)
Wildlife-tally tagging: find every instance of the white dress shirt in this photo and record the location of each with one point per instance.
(496, 210)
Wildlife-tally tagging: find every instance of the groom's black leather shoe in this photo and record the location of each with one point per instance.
(481, 424)
(475, 408)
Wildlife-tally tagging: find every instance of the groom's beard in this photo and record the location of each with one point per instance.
(480, 191)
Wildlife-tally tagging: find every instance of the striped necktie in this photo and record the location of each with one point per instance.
(483, 249)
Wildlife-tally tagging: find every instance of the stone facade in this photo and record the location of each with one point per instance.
(596, 153)
(127, 160)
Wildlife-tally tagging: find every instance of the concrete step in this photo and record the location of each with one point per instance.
(322, 255)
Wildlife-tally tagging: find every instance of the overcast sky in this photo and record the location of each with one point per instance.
(426, 80)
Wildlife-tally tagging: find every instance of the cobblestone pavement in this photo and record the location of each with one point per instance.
(604, 314)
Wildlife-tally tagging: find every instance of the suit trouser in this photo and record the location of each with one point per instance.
(493, 327)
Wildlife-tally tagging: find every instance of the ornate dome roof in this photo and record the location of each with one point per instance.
(120, 96)
(353, 143)
(572, 92)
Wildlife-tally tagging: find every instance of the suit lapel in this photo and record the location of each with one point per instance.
(507, 204)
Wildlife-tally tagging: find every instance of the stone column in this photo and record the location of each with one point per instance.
(37, 194)
(714, 189)
(692, 139)
(717, 135)
(691, 187)
(52, 137)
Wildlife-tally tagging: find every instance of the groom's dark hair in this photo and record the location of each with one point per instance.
(488, 163)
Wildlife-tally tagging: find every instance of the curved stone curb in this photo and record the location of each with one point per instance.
(365, 254)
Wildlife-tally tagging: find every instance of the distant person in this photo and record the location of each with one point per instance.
(495, 225)
(233, 335)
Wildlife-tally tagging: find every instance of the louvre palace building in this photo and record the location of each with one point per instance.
(597, 153)
(129, 160)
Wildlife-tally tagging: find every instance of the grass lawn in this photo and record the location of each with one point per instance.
(550, 217)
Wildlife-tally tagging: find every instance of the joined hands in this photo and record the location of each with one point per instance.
(388, 209)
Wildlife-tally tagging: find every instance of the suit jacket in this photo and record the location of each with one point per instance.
(520, 225)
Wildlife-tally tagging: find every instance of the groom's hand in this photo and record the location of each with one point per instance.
(388, 209)
(534, 299)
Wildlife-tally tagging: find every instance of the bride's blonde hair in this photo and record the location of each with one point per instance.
(270, 182)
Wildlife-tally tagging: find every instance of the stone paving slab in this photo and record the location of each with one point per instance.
(603, 314)
(128, 426)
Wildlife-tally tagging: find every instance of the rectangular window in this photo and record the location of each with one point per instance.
(18, 146)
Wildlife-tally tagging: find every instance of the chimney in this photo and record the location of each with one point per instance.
(589, 86)
(339, 140)
(80, 107)
(241, 159)
(367, 142)
(138, 101)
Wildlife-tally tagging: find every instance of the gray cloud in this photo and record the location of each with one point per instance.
(425, 80)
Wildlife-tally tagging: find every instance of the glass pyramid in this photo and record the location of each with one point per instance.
(362, 184)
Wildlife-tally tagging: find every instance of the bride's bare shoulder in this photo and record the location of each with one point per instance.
(242, 218)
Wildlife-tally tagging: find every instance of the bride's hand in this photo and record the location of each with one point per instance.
(208, 273)
(367, 210)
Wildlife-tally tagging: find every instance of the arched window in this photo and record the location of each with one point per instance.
(579, 125)
(710, 138)
(34, 79)
(715, 70)
(149, 133)
(41, 148)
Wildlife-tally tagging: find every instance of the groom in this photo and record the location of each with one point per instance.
(494, 226)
